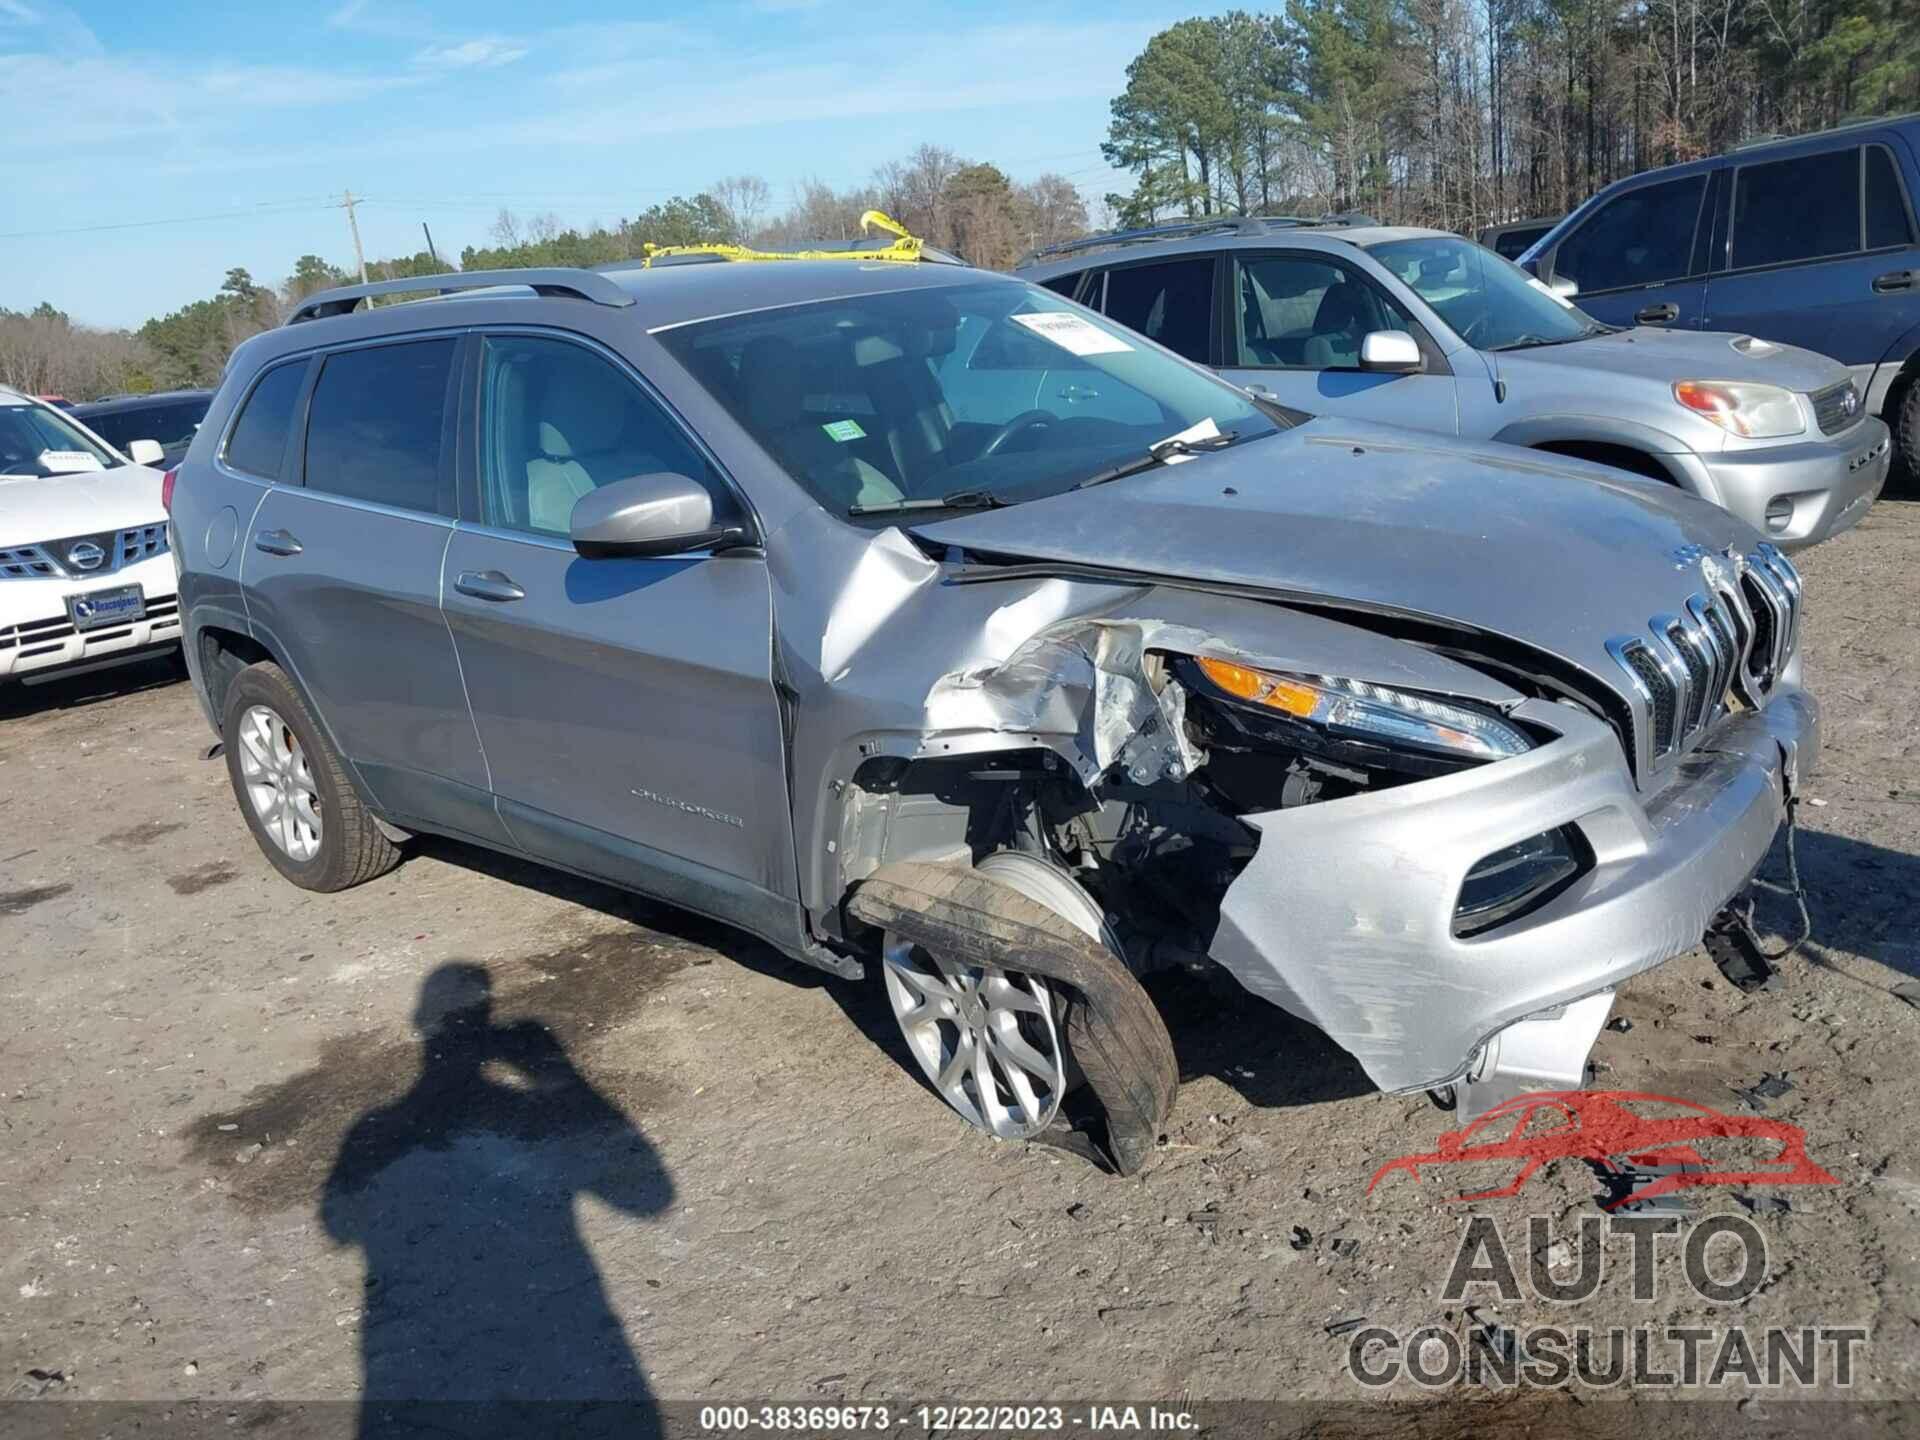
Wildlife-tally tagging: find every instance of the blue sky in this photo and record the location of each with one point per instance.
(242, 121)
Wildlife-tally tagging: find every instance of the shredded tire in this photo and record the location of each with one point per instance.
(1113, 1031)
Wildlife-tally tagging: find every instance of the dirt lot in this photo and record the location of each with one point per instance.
(235, 1166)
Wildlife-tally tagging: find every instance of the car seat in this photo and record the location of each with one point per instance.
(776, 383)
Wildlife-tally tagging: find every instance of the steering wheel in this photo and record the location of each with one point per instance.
(1026, 420)
(1473, 327)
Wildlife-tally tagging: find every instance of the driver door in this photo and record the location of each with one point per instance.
(625, 705)
(1298, 320)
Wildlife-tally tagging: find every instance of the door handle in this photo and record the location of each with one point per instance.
(1658, 314)
(277, 542)
(488, 585)
(1895, 280)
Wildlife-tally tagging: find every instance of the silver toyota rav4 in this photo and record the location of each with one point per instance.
(1420, 328)
(804, 595)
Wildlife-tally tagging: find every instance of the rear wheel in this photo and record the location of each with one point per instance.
(293, 789)
(1905, 418)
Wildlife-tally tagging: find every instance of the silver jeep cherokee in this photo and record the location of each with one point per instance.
(806, 596)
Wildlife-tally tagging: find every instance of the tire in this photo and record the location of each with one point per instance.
(1904, 418)
(276, 752)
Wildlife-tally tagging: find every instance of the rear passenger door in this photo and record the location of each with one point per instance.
(1821, 254)
(626, 703)
(1297, 322)
(341, 571)
(1640, 259)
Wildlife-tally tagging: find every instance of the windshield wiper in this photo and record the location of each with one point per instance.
(958, 500)
(1159, 454)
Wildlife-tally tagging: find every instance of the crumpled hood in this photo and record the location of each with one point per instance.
(82, 504)
(1669, 355)
(1557, 554)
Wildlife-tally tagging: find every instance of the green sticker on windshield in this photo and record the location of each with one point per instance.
(844, 430)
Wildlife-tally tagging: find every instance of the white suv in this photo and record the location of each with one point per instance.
(86, 579)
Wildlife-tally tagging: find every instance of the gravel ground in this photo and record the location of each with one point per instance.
(256, 1144)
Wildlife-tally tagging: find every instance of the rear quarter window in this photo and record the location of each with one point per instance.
(258, 444)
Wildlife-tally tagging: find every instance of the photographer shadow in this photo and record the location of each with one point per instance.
(483, 1307)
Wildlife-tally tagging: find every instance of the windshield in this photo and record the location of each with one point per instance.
(37, 441)
(1490, 303)
(992, 392)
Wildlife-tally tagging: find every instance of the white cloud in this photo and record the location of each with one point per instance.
(485, 54)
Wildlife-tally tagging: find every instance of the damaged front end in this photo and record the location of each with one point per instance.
(1446, 872)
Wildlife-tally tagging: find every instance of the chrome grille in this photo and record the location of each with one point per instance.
(1837, 407)
(20, 561)
(54, 558)
(1729, 647)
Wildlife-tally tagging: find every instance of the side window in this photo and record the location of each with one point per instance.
(258, 444)
(1797, 209)
(1064, 284)
(1641, 238)
(1171, 303)
(1296, 312)
(375, 424)
(558, 421)
(1888, 222)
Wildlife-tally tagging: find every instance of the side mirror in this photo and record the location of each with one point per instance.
(1391, 350)
(146, 452)
(657, 514)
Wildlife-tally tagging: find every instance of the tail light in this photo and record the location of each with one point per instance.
(166, 489)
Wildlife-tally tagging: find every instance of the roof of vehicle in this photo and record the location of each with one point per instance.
(656, 298)
(1182, 240)
(112, 404)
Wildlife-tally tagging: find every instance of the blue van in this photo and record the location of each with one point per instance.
(1809, 242)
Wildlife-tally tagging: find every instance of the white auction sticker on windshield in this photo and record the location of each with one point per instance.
(69, 462)
(1073, 332)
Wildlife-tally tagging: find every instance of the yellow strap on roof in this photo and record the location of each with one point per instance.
(904, 247)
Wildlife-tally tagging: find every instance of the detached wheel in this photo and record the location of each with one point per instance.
(293, 789)
(992, 1041)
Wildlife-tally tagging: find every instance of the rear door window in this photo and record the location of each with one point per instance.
(1170, 302)
(1889, 222)
(1644, 237)
(375, 425)
(258, 444)
(1798, 209)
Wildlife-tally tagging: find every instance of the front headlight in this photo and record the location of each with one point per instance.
(1370, 714)
(1759, 412)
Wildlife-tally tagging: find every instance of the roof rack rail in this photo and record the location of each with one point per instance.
(1203, 225)
(580, 284)
(1858, 122)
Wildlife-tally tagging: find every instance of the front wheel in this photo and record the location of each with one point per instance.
(293, 790)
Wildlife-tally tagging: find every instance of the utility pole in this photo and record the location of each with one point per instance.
(435, 254)
(360, 256)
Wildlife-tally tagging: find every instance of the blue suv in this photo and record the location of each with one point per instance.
(1810, 242)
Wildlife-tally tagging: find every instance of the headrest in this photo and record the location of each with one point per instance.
(583, 410)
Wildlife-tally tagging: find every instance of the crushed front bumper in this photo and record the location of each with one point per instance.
(1819, 487)
(1344, 916)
